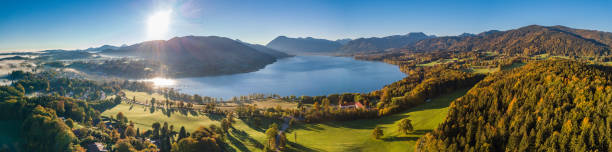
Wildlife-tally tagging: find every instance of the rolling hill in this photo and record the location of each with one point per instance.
(201, 55)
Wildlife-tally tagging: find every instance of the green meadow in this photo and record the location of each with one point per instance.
(356, 135)
(331, 136)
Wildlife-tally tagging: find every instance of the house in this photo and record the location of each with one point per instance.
(154, 141)
(351, 105)
(96, 147)
(359, 105)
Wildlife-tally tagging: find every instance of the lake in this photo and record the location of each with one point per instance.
(299, 75)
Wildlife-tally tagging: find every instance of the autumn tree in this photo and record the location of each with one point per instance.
(271, 134)
(130, 132)
(377, 132)
(405, 126)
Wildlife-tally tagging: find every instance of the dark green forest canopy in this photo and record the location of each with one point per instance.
(546, 105)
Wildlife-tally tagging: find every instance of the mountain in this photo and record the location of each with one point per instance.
(343, 41)
(466, 34)
(267, 50)
(552, 105)
(599, 36)
(529, 40)
(101, 48)
(201, 55)
(488, 32)
(304, 45)
(376, 44)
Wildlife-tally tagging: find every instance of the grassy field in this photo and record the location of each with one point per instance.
(441, 61)
(334, 136)
(143, 117)
(143, 96)
(264, 103)
(249, 138)
(356, 135)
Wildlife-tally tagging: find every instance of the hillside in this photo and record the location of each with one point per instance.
(101, 48)
(542, 106)
(599, 36)
(304, 45)
(529, 40)
(201, 56)
(267, 50)
(376, 44)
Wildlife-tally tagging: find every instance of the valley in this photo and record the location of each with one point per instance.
(533, 88)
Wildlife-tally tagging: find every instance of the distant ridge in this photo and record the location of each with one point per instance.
(304, 45)
(528, 40)
(376, 44)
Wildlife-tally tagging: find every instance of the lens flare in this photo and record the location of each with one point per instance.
(158, 23)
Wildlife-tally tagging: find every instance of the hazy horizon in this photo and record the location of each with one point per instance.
(43, 25)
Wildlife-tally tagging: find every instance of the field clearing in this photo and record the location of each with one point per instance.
(484, 70)
(141, 97)
(441, 61)
(144, 116)
(356, 135)
(265, 103)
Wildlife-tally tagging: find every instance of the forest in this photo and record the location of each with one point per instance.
(543, 106)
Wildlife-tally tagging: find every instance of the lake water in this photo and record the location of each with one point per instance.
(300, 75)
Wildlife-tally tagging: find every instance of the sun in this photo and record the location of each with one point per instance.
(158, 23)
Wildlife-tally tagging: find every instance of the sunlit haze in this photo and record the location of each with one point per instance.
(157, 24)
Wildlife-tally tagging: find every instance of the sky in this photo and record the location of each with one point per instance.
(29, 25)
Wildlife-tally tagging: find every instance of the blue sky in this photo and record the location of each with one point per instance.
(54, 24)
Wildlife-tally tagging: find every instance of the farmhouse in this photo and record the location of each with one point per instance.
(351, 105)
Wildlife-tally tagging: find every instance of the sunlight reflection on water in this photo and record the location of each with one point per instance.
(161, 82)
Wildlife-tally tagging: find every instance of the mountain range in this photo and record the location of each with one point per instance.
(305, 45)
(528, 40)
(375, 44)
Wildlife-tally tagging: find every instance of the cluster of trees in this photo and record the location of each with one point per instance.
(50, 82)
(202, 139)
(277, 140)
(42, 129)
(543, 106)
